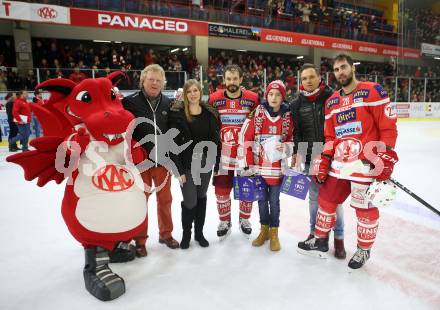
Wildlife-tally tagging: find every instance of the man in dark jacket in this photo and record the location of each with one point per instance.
(13, 129)
(308, 115)
(152, 108)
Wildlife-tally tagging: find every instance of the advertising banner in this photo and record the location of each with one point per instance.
(117, 20)
(302, 39)
(228, 31)
(34, 12)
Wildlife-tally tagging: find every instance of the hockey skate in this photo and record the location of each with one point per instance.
(99, 279)
(316, 247)
(245, 227)
(359, 259)
(224, 229)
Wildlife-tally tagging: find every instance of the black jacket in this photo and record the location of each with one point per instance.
(178, 120)
(140, 107)
(9, 106)
(308, 119)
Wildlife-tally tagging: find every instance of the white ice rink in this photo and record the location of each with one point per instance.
(41, 264)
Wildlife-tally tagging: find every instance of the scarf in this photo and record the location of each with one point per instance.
(311, 96)
(283, 108)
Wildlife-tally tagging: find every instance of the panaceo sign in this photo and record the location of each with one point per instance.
(115, 20)
(142, 23)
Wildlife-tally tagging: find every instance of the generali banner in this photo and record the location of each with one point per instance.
(302, 39)
(34, 12)
(116, 20)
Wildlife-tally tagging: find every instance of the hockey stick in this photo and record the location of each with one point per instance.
(406, 190)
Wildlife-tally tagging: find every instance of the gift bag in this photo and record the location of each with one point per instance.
(295, 184)
(249, 188)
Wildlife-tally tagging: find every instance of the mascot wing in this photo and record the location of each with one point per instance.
(40, 163)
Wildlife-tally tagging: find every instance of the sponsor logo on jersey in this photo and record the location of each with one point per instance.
(390, 110)
(219, 103)
(346, 116)
(354, 128)
(361, 93)
(246, 103)
(382, 92)
(331, 102)
(232, 119)
(263, 138)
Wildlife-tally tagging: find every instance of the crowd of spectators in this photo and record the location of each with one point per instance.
(253, 64)
(331, 18)
(421, 25)
(324, 17)
(77, 60)
(7, 60)
(285, 68)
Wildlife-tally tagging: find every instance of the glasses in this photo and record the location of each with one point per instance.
(152, 81)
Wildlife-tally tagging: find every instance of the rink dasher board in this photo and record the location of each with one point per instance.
(406, 111)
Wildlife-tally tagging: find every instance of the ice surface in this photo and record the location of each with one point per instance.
(41, 264)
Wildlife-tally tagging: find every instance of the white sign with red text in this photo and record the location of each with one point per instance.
(34, 12)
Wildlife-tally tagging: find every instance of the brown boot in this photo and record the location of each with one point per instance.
(274, 241)
(141, 250)
(262, 237)
(170, 242)
(339, 249)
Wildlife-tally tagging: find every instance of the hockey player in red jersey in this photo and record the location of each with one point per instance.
(234, 103)
(360, 133)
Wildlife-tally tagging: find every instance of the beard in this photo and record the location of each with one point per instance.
(232, 88)
(347, 81)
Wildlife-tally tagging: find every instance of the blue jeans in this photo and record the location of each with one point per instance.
(36, 126)
(338, 230)
(270, 208)
(24, 131)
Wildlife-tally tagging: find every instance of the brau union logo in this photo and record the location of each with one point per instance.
(113, 178)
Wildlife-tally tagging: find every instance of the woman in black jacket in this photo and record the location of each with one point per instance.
(198, 125)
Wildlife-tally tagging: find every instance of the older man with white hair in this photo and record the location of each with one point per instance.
(150, 104)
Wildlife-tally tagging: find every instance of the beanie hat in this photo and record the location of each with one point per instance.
(278, 84)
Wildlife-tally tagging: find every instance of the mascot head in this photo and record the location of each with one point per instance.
(92, 103)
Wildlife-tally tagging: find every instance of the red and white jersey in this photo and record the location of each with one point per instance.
(355, 122)
(259, 137)
(233, 113)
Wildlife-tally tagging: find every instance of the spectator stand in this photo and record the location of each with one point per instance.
(306, 16)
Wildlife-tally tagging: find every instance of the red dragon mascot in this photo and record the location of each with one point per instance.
(85, 141)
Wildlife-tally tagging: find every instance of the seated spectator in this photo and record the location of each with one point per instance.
(77, 75)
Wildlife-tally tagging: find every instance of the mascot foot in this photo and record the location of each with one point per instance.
(99, 279)
(123, 252)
